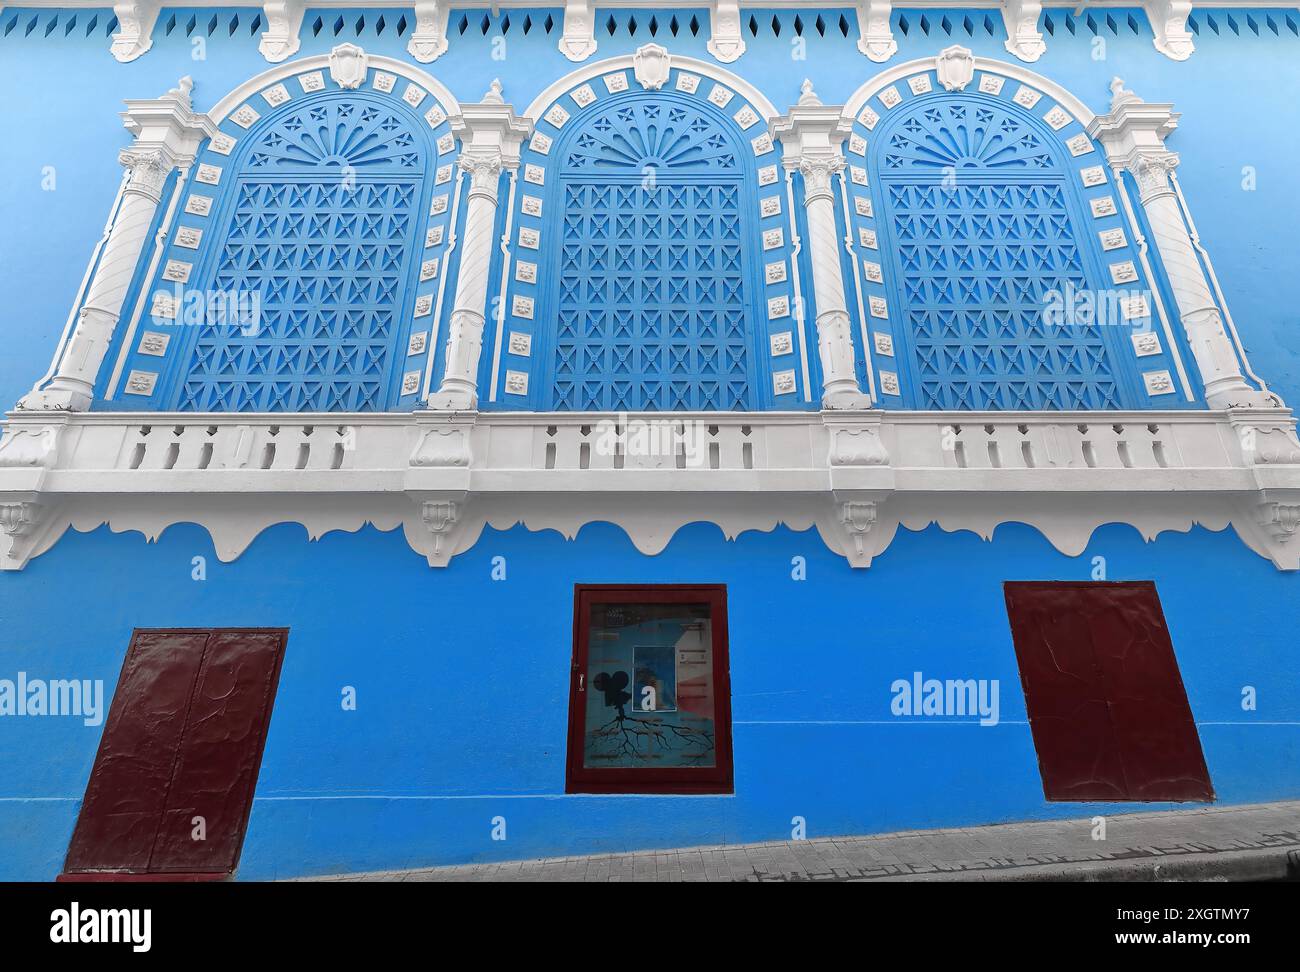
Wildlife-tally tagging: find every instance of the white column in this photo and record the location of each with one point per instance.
(1133, 135)
(168, 134)
(491, 134)
(811, 135)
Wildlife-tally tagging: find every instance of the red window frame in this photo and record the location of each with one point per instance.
(687, 779)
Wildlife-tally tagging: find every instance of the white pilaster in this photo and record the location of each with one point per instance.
(491, 135)
(811, 135)
(1133, 135)
(167, 135)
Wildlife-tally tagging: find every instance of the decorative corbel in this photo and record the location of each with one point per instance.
(20, 520)
(876, 40)
(429, 39)
(856, 444)
(1279, 514)
(438, 479)
(1267, 436)
(29, 446)
(135, 20)
(283, 21)
(725, 41)
(578, 38)
(439, 517)
(442, 518)
(444, 446)
(856, 518)
(861, 478)
(1169, 24)
(1023, 38)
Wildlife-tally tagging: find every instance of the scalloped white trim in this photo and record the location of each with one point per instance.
(854, 476)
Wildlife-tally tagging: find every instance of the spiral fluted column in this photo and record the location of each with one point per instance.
(811, 135)
(1197, 308)
(168, 134)
(465, 335)
(491, 135)
(1133, 135)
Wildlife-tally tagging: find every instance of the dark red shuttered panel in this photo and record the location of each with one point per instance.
(1078, 753)
(1106, 702)
(1148, 703)
(137, 753)
(183, 739)
(221, 751)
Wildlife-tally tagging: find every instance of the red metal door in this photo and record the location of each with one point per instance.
(173, 781)
(1106, 702)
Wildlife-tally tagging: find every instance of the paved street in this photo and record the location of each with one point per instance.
(1257, 842)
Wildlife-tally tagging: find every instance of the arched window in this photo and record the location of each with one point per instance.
(994, 257)
(302, 270)
(654, 282)
(320, 222)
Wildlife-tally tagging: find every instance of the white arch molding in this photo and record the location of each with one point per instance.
(597, 69)
(345, 68)
(649, 69)
(321, 62)
(900, 72)
(956, 69)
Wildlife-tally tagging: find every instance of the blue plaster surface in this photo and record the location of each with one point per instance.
(1235, 94)
(462, 681)
(462, 684)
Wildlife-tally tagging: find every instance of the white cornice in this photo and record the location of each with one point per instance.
(726, 41)
(855, 476)
(990, 5)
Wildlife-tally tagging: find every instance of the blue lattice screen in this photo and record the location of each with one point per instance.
(320, 226)
(983, 238)
(653, 288)
(652, 299)
(979, 262)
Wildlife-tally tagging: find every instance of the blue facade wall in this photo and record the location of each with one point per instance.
(1235, 94)
(462, 681)
(462, 685)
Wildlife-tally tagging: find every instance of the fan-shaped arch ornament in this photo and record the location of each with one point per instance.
(956, 133)
(339, 133)
(651, 133)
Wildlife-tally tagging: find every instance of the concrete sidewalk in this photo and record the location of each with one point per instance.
(1255, 842)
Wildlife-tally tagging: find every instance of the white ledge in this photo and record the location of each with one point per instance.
(855, 476)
